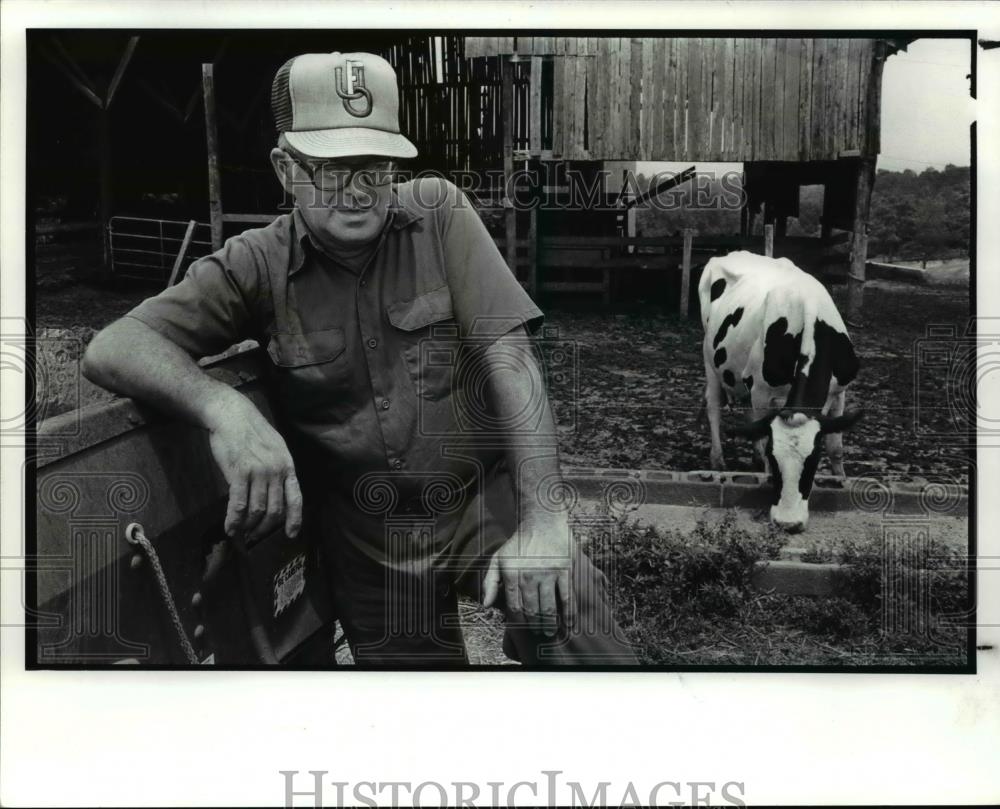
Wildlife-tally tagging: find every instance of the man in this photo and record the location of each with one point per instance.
(404, 385)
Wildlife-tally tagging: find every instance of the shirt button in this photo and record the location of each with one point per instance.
(372, 342)
(397, 464)
(385, 404)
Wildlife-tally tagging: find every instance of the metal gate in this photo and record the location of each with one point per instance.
(151, 249)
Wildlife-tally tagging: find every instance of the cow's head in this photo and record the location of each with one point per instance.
(792, 448)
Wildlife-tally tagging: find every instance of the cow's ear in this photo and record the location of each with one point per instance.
(753, 430)
(837, 424)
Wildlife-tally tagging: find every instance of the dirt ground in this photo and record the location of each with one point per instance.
(640, 379)
(631, 400)
(633, 393)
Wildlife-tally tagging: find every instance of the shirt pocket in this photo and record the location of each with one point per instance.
(428, 336)
(291, 350)
(310, 367)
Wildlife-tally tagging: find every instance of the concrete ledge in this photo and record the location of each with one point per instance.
(751, 490)
(795, 578)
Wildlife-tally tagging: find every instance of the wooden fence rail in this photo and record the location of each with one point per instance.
(610, 254)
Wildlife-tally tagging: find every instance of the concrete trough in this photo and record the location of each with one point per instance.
(862, 510)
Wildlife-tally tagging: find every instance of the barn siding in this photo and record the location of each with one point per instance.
(734, 99)
(707, 99)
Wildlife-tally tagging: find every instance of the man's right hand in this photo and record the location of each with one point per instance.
(259, 469)
(132, 359)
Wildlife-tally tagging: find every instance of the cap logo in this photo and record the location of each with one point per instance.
(353, 89)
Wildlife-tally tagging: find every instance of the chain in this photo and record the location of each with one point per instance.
(136, 536)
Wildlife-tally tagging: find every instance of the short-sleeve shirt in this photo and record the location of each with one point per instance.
(373, 374)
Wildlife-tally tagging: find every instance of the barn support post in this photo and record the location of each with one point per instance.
(863, 188)
(212, 144)
(507, 122)
(859, 242)
(105, 150)
(533, 252)
(685, 297)
(825, 218)
(769, 240)
(68, 66)
(106, 204)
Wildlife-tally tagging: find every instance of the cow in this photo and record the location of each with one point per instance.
(774, 335)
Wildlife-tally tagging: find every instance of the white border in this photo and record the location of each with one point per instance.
(78, 738)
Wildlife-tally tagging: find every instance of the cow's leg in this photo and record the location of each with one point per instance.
(760, 403)
(713, 408)
(835, 441)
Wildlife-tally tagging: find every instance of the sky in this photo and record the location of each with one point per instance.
(926, 110)
(926, 107)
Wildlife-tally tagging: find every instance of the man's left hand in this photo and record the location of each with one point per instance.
(534, 568)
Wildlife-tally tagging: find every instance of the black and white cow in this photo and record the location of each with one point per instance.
(773, 333)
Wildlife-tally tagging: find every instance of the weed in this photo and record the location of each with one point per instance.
(686, 598)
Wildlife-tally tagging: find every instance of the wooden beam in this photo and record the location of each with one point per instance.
(160, 99)
(62, 67)
(826, 215)
(507, 124)
(685, 296)
(533, 251)
(106, 181)
(175, 272)
(116, 79)
(260, 95)
(535, 108)
(212, 143)
(635, 104)
(573, 286)
(666, 185)
(250, 218)
(859, 242)
(192, 103)
(70, 63)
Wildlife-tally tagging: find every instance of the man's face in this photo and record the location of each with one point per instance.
(345, 201)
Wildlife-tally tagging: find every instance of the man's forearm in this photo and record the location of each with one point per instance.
(532, 443)
(131, 359)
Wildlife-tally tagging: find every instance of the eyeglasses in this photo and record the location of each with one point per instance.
(329, 175)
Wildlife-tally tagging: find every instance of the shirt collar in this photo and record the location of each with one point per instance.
(401, 215)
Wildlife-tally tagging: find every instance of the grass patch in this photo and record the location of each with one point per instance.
(686, 598)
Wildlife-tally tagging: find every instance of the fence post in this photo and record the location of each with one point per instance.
(682, 306)
(533, 252)
(212, 142)
(769, 241)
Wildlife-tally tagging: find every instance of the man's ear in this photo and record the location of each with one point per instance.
(283, 167)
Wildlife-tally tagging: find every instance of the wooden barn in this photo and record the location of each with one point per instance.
(794, 111)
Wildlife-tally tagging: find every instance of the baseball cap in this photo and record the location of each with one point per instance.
(339, 105)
